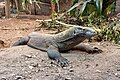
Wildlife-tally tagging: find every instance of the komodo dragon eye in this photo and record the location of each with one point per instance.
(84, 29)
(79, 28)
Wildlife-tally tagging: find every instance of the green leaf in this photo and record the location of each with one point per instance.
(72, 12)
(99, 6)
(55, 1)
(83, 9)
(109, 8)
(76, 1)
(92, 8)
(74, 6)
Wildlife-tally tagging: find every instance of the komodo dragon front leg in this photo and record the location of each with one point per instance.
(87, 48)
(53, 53)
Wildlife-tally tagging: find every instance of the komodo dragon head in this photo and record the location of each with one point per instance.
(78, 33)
(84, 31)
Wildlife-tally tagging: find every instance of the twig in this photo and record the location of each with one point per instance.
(48, 20)
(16, 29)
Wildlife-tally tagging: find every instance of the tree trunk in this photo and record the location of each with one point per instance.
(7, 8)
(52, 7)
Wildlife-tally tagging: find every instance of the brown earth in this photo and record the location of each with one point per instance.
(25, 63)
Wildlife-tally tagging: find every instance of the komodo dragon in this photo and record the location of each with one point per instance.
(64, 41)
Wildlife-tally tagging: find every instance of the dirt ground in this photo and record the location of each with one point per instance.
(25, 63)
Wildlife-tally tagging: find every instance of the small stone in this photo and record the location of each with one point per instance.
(109, 74)
(42, 60)
(3, 78)
(31, 67)
(35, 65)
(13, 74)
(28, 56)
(37, 70)
(1, 42)
(96, 64)
(19, 78)
(118, 69)
(46, 75)
(87, 65)
(71, 70)
(68, 78)
(52, 63)
(116, 74)
(98, 71)
(39, 65)
(34, 56)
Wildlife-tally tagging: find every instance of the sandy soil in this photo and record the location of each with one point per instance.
(25, 63)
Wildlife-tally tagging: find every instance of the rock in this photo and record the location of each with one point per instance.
(19, 78)
(1, 43)
(118, 69)
(117, 75)
(2, 8)
(68, 78)
(98, 71)
(31, 67)
(71, 70)
(87, 65)
(27, 56)
(3, 78)
(96, 65)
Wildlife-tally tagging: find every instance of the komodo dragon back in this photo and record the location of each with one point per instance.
(39, 41)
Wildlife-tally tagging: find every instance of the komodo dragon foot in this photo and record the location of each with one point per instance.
(63, 62)
(87, 48)
(94, 50)
(54, 54)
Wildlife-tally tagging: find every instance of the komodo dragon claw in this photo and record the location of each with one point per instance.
(95, 50)
(63, 62)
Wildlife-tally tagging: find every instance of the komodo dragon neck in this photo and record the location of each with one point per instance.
(67, 39)
(67, 35)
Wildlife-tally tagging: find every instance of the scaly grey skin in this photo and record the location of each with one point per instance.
(64, 41)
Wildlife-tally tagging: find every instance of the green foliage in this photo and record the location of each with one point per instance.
(74, 10)
(26, 4)
(83, 10)
(108, 28)
(109, 34)
(109, 31)
(55, 1)
(91, 14)
(109, 9)
(100, 7)
(51, 25)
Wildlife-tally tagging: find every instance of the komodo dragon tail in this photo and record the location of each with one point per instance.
(21, 41)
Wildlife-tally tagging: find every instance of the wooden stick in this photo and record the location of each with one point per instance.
(48, 20)
(7, 8)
